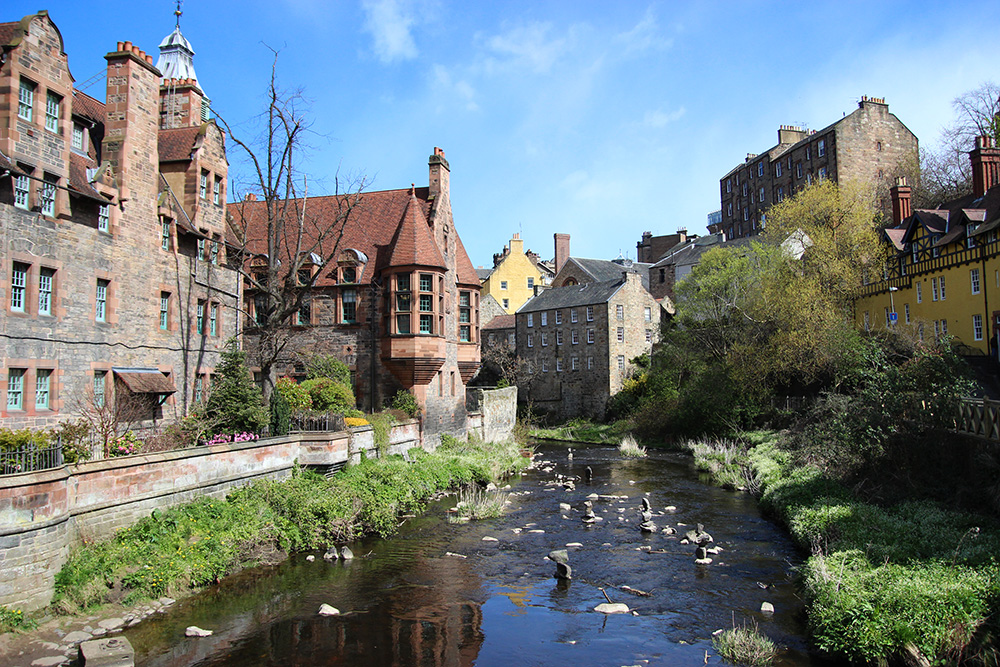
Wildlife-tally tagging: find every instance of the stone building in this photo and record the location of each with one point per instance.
(579, 341)
(114, 278)
(399, 306)
(514, 275)
(869, 144)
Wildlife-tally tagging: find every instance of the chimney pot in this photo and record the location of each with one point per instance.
(121, 47)
(127, 46)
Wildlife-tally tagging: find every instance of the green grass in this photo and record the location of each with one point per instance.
(745, 646)
(15, 619)
(583, 430)
(476, 503)
(196, 544)
(913, 578)
(630, 448)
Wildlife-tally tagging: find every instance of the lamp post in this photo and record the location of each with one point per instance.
(892, 306)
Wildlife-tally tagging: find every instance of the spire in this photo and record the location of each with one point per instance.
(176, 55)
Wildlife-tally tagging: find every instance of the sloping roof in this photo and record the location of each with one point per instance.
(78, 181)
(8, 31)
(896, 236)
(500, 322)
(142, 381)
(177, 144)
(467, 275)
(413, 244)
(584, 294)
(691, 252)
(86, 106)
(483, 273)
(934, 221)
(602, 270)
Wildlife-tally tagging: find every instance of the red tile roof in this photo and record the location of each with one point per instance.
(177, 144)
(78, 181)
(86, 106)
(500, 322)
(463, 265)
(413, 243)
(8, 31)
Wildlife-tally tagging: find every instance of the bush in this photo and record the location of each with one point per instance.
(382, 428)
(329, 395)
(235, 403)
(328, 366)
(75, 443)
(405, 402)
(281, 414)
(126, 444)
(745, 646)
(295, 395)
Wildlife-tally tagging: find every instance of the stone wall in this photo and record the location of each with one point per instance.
(492, 412)
(44, 514)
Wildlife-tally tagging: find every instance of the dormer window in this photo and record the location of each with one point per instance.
(349, 274)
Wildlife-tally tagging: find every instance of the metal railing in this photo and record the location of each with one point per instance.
(329, 421)
(31, 459)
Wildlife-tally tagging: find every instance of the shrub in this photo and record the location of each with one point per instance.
(406, 402)
(235, 403)
(75, 443)
(126, 444)
(329, 395)
(328, 366)
(382, 427)
(630, 448)
(295, 395)
(476, 503)
(356, 421)
(281, 414)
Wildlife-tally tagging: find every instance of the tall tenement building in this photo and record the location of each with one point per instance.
(113, 263)
(868, 144)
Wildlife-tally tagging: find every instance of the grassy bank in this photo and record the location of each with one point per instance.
(911, 581)
(193, 545)
(583, 430)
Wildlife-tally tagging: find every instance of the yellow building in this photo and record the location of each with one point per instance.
(514, 276)
(944, 275)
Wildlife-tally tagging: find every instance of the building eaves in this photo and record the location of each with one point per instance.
(584, 294)
(500, 322)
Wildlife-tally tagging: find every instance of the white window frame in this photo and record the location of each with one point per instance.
(100, 388)
(558, 317)
(101, 305)
(43, 385)
(559, 337)
(503, 284)
(78, 137)
(621, 362)
(941, 286)
(821, 148)
(15, 388)
(558, 365)
(590, 336)
(544, 317)
(920, 292)
(47, 196)
(777, 169)
(575, 363)
(545, 339)
(53, 106)
(216, 190)
(572, 315)
(590, 313)
(531, 340)
(621, 334)
(26, 100)
(531, 320)
(19, 287)
(590, 363)
(974, 278)
(164, 310)
(620, 311)
(22, 192)
(575, 337)
(977, 327)
(203, 185)
(46, 279)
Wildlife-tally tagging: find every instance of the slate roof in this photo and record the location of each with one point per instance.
(370, 228)
(483, 273)
(584, 294)
(413, 243)
(602, 270)
(78, 181)
(691, 252)
(8, 31)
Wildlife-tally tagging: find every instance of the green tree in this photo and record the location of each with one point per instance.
(328, 366)
(235, 403)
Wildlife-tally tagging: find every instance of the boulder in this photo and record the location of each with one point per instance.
(346, 553)
(612, 608)
(195, 631)
(327, 610)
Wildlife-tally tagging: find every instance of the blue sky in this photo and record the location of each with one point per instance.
(602, 120)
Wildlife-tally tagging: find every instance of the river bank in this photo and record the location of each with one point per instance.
(180, 550)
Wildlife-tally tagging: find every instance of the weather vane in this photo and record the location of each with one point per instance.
(178, 12)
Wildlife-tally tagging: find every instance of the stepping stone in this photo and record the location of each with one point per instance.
(612, 608)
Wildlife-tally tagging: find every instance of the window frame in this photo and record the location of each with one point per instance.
(53, 111)
(15, 388)
(101, 300)
(46, 289)
(22, 192)
(104, 218)
(19, 287)
(43, 388)
(26, 100)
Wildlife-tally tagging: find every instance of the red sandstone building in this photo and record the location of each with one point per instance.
(400, 305)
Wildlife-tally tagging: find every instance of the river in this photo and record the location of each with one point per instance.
(437, 594)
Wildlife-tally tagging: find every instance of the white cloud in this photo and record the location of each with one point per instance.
(529, 46)
(449, 87)
(659, 118)
(644, 36)
(390, 23)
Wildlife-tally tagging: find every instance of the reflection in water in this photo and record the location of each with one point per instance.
(408, 603)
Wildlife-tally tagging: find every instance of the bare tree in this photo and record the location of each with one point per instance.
(110, 416)
(502, 361)
(945, 171)
(285, 246)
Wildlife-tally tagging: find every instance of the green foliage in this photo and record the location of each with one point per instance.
(75, 443)
(584, 430)
(281, 414)
(328, 395)
(235, 404)
(15, 619)
(193, 545)
(126, 444)
(381, 423)
(407, 402)
(328, 366)
(475, 503)
(745, 645)
(14, 440)
(295, 395)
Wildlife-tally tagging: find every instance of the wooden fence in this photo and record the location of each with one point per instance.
(980, 417)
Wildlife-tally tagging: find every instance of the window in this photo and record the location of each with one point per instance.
(906, 312)
(465, 316)
(426, 303)
(590, 363)
(350, 274)
(22, 192)
(590, 313)
(101, 310)
(100, 387)
(621, 362)
(974, 276)
(426, 324)
(215, 252)
(545, 366)
(531, 282)
(503, 284)
(216, 190)
(511, 339)
(52, 104)
(944, 327)
(977, 327)
(822, 174)
(544, 318)
(934, 289)
(26, 100)
(781, 194)
(559, 337)
(203, 185)
(559, 365)
(403, 283)
(165, 235)
(621, 334)
(809, 179)
(47, 196)
(545, 339)
(729, 210)
(349, 305)
(213, 319)
(761, 197)
(18, 286)
(45, 276)
(777, 170)
(798, 170)
(531, 319)
(164, 310)
(199, 384)
(202, 252)
(76, 139)
(575, 337)
(744, 189)
(531, 340)
(920, 292)
(15, 388)
(558, 317)
(199, 326)
(746, 213)
(729, 185)
(403, 323)
(42, 385)
(821, 148)
(104, 218)
(941, 285)
(620, 312)
(572, 315)
(590, 336)
(426, 282)
(575, 364)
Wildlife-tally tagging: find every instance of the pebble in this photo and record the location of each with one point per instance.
(327, 610)
(195, 631)
(454, 555)
(166, 602)
(766, 608)
(110, 624)
(593, 496)
(487, 538)
(575, 545)
(612, 608)
(310, 558)
(565, 507)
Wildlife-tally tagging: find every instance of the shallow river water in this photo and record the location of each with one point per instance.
(437, 594)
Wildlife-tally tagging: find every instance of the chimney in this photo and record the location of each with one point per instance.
(561, 249)
(791, 134)
(517, 245)
(985, 165)
(901, 204)
(440, 171)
